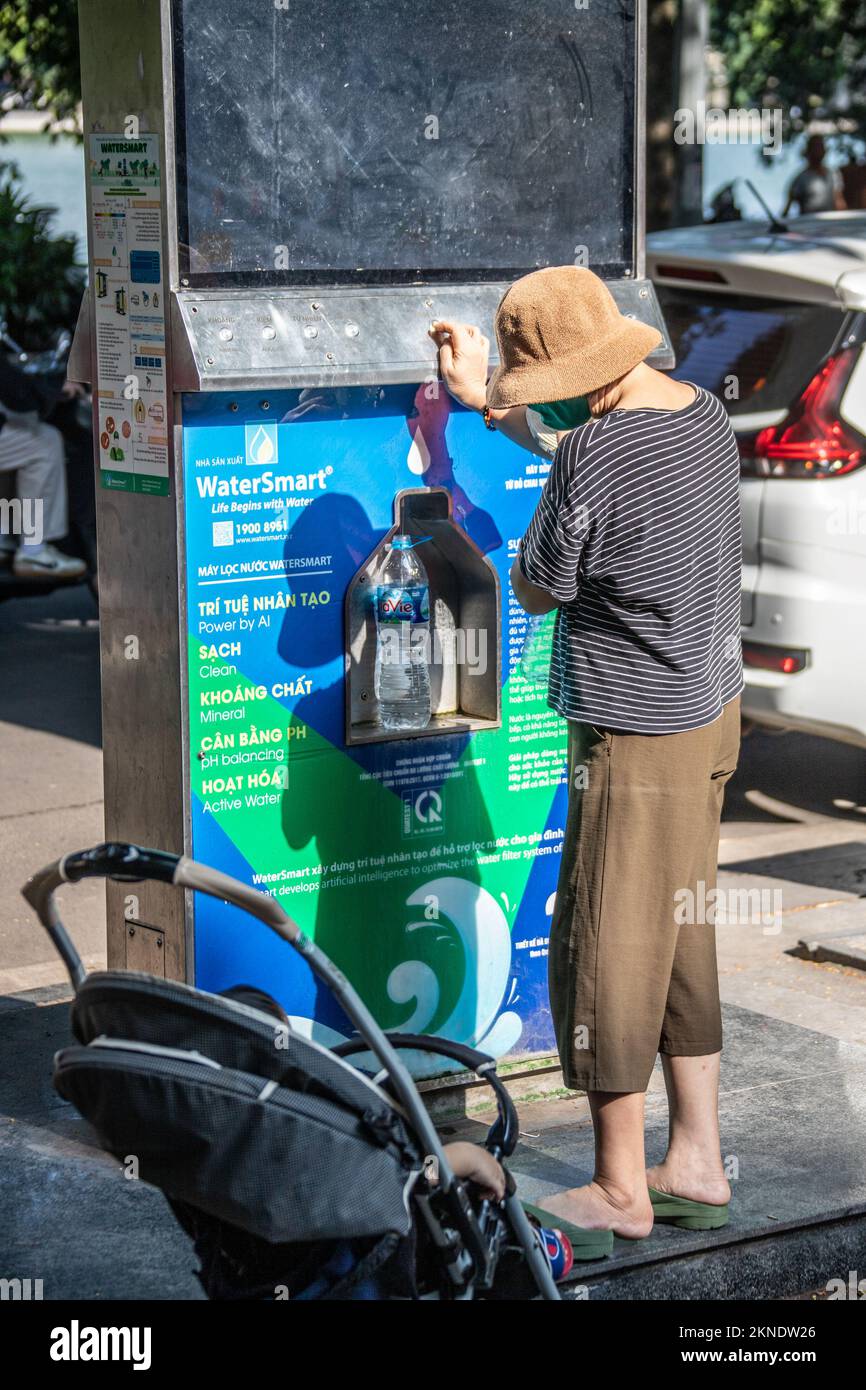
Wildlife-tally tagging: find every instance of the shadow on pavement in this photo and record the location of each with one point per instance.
(68, 1216)
(838, 867)
(809, 775)
(51, 664)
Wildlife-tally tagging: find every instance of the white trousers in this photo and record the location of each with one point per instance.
(34, 452)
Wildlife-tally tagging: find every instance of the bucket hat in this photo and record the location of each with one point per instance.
(561, 335)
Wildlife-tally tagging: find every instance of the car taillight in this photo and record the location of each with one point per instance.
(787, 660)
(812, 441)
(689, 272)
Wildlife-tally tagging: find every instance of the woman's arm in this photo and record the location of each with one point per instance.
(513, 424)
(463, 358)
(531, 598)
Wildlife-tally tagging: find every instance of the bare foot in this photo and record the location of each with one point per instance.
(598, 1209)
(693, 1178)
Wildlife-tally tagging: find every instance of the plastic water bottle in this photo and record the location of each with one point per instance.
(403, 640)
(537, 648)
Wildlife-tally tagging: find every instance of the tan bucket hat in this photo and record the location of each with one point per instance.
(561, 335)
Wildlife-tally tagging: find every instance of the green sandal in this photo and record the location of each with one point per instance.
(688, 1215)
(587, 1245)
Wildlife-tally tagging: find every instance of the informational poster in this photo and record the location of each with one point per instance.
(129, 299)
(425, 866)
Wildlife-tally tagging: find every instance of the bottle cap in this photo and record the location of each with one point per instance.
(401, 542)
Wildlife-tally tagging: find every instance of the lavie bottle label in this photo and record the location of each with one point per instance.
(407, 604)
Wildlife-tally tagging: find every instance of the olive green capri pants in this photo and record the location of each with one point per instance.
(632, 957)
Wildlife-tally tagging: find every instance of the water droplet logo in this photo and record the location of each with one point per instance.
(419, 455)
(261, 444)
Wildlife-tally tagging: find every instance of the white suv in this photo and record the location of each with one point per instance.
(774, 322)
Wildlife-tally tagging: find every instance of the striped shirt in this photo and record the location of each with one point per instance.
(637, 534)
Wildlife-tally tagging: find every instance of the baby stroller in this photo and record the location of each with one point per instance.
(296, 1173)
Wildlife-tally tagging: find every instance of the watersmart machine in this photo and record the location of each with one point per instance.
(282, 196)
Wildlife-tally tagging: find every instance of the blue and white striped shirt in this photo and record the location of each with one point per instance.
(637, 534)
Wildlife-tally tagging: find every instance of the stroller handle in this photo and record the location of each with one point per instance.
(128, 863)
(504, 1133)
(125, 863)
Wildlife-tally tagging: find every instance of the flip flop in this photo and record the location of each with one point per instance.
(587, 1245)
(688, 1215)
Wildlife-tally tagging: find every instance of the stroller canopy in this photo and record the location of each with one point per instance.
(230, 1110)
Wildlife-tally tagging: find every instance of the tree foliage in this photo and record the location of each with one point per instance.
(807, 55)
(39, 53)
(41, 282)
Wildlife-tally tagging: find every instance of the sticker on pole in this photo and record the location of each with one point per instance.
(126, 273)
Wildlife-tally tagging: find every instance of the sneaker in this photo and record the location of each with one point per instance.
(47, 563)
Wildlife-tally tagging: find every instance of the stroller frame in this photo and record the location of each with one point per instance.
(470, 1237)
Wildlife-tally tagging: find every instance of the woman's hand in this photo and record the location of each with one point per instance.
(463, 358)
(463, 363)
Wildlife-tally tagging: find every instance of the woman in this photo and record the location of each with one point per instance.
(636, 542)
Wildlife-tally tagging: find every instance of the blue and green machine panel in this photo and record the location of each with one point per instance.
(425, 867)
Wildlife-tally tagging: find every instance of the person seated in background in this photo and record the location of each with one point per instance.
(34, 452)
(816, 188)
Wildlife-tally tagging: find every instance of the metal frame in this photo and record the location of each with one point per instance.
(169, 136)
(142, 539)
(389, 324)
(143, 700)
(639, 221)
(173, 281)
(251, 281)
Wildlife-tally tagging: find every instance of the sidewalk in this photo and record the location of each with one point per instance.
(793, 1101)
(793, 1121)
(793, 1087)
(793, 1110)
(67, 1215)
(52, 773)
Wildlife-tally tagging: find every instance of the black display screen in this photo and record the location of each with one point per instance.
(332, 141)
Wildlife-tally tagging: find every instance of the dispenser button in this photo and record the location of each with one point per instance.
(226, 335)
(269, 334)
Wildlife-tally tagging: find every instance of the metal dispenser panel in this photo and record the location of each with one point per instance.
(225, 342)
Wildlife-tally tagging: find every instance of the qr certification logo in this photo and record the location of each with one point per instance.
(422, 812)
(261, 445)
(223, 533)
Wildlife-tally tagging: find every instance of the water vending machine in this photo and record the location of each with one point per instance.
(282, 196)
